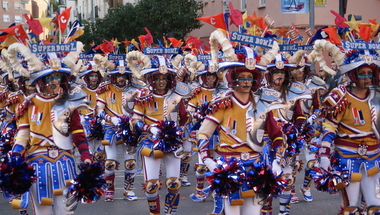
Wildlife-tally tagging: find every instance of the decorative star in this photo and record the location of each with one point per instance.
(126, 42)
(46, 21)
(282, 32)
(353, 24)
(115, 42)
(272, 31)
(255, 20)
(280, 41)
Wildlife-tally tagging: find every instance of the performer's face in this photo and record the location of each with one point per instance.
(93, 79)
(121, 80)
(210, 80)
(160, 83)
(278, 78)
(52, 83)
(300, 76)
(364, 75)
(245, 81)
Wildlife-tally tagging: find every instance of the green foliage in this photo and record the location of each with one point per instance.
(159, 16)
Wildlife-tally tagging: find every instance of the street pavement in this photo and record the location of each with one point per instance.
(323, 203)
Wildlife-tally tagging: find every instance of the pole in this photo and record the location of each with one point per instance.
(312, 24)
(92, 12)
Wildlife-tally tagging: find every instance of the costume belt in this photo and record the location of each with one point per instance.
(51, 153)
(242, 155)
(362, 148)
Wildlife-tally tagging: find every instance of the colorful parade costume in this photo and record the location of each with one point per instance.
(241, 125)
(350, 124)
(115, 101)
(159, 108)
(48, 127)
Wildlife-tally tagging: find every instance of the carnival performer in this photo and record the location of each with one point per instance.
(293, 117)
(91, 78)
(185, 66)
(49, 124)
(116, 100)
(351, 132)
(197, 106)
(242, 118)
(308, 125)
(162, 106)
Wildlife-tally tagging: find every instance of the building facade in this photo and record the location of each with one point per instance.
(12, 12)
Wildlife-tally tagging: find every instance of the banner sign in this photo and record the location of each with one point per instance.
(252, 40)
(161, 51)
(294, 6)
(69, 47)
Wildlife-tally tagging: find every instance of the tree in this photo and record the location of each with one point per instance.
(160, 17)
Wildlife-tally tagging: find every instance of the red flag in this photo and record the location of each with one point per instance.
(365, 32)
(63, 19)
(148, 37)
(339, 20)
(34, 25)
(217, 21)
(142, 41)
(235, 15)
(333, 36)
(17, 31)
(175, 42)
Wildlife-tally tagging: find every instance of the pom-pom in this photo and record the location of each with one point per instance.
(170, 137)
(124, 132)
(7, 138)
(89, 185)
(264, 182)
(16, 176)
(295, 144)
(227, 178)
(330, 182)
(93, 128)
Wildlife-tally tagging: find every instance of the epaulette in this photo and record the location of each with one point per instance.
(3, 95)
(143, 91)
(195, 91)
(335, 102)
(103, 87)
(23, 107)
(144, 99)
(13, 98)
(222, 103)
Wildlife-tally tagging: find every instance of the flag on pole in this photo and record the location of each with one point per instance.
(217, 21)
(63, 19)
(17, 31)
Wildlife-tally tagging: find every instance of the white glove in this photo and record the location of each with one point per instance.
(115, 120)
(311, 119)
(276, 168)
(324, 162)
(211, 164)
(154, 131)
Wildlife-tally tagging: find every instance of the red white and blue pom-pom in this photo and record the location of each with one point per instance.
(330, 182)
(124, 132)
(93, 128)
(227, 178)
(16, 176)
(294, 143)
(170, 137)
(262, 180)
(7, 139)
(89, 185)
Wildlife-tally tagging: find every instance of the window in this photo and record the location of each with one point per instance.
(18, 18)
(262, 3)
(5, 5)
(17, 5)
(6, 18)
(243, 5)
